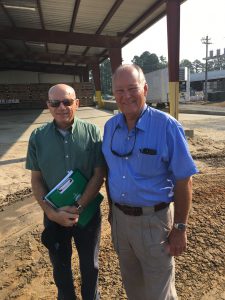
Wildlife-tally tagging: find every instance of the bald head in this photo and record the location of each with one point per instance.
(61, 89)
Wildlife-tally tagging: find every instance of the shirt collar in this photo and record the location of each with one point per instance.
(141, 123)
(69, 129)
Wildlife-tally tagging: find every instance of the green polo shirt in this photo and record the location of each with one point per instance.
(54, 154)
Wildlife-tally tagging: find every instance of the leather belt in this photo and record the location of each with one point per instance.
(137, 211)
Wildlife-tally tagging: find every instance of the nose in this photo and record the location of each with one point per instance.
(126, 93)
(62, 105)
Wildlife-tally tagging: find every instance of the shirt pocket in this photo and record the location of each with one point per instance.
(148, 165)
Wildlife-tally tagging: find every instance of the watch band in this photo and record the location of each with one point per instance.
(79, 207)
(180, 226)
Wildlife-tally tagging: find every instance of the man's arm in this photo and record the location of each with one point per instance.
(109, 199)
(182, 204)
(93, 186)
(65, 216)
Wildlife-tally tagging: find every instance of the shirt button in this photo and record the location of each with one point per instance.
(124, 177)
(67, 156)
(66, 142)
(123, 195)
(126, 157)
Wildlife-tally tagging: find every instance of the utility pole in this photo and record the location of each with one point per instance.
(206, 41)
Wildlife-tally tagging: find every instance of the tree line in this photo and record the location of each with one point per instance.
(150, 62)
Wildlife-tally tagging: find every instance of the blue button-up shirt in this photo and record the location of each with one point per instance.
(159, 157)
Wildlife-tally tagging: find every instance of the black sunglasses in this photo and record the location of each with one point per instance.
(56, 103)
(135, 135)
(123, 154)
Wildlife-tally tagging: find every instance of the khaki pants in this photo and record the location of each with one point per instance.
(147, 270)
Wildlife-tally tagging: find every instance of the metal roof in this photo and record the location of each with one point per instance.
(211, 75)
(77, 32)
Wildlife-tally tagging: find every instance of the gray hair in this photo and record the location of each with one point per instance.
(141, 76)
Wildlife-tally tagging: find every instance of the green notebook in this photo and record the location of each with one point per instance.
(69, 190)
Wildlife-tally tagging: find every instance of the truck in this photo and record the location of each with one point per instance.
(158, 83)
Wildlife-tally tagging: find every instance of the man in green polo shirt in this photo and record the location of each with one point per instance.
(68, 143)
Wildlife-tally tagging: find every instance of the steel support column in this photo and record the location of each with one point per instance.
(115, 55)
(86, 75)
(97, 82)
(173, 34)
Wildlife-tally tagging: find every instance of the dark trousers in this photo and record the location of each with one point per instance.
(87, 243)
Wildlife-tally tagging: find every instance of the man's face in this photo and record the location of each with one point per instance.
(129, 92)
(63, 115)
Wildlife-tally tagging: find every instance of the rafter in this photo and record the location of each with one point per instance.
(73, 21)
(7, 14)
(59, 37)
(35, 56)
(146, 14)
(108, 17)
(42, 20)
(40, 67)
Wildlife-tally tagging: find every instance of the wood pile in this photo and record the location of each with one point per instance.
(29, 96)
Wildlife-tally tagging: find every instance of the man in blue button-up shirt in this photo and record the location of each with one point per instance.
(149, 186)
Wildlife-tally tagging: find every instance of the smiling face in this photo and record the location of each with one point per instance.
(63, 115)
(130, 90)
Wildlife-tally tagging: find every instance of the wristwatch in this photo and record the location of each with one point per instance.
(79, 207)
(180, 226)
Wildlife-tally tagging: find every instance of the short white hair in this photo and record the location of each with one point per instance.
(141, 76)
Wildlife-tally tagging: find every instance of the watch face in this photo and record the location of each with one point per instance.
(180, 226)
(80, 209)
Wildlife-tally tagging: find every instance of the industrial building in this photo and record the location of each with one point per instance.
(40, 39)
(215, 84)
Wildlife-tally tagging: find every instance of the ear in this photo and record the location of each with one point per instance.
(77, 102)
(145, 89)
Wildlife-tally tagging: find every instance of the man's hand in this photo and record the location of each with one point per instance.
(65, 216)
(177, 242)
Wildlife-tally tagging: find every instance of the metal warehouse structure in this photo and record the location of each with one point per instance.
(215, 84)
(75, 36)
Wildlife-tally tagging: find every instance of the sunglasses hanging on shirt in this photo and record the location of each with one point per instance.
(127, 154)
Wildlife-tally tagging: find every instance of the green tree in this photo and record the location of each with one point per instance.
(149, 61)
(163, 62)
(106, 77)
(219, 63)
(198, 66)
(188, 64)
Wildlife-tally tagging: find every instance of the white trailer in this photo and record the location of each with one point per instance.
(158, 83)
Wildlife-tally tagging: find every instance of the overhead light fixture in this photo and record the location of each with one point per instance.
(20, 7)
(36, 44)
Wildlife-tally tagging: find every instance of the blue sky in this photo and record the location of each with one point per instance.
(199, 18)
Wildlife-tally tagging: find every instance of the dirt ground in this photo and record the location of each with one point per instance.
(200, 273)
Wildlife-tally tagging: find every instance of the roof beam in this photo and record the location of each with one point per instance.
(147, 13)
(110, 14)
(7, 14)
(73, 21)
(42, 20)
(59, 37)
(43, 68)
(140, 31)
(108, 17)
(48, 57)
